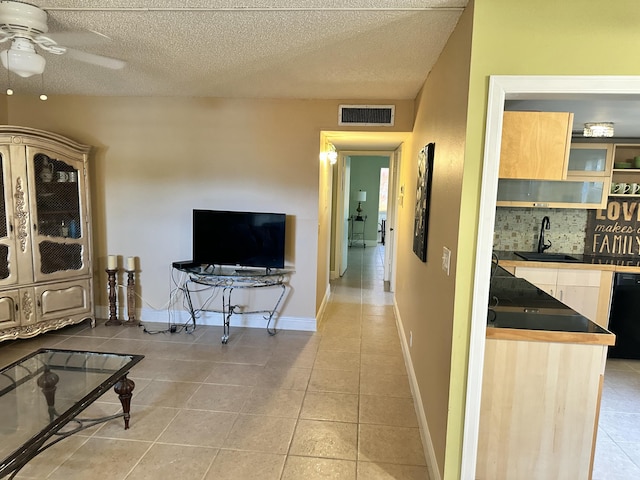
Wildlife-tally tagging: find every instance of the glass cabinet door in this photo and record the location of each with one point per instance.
(58, 229)
(8, 266)
(590, 159)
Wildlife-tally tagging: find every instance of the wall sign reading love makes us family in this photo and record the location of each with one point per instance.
(614, 231)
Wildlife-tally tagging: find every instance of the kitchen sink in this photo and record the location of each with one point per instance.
(546, 257)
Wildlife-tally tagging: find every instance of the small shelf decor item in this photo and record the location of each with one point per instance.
(423, 199)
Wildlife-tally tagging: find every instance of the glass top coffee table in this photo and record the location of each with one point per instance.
(42, 393)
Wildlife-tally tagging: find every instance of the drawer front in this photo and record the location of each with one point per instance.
(61, 299)
(8, 310)
(585, 278)
(544, 276)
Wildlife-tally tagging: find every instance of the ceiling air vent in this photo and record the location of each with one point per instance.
(372, 115)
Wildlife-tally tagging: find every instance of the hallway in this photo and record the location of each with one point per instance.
(298, 405)
(360, 322)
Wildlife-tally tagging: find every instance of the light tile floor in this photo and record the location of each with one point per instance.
(333, 404)
(618, 444)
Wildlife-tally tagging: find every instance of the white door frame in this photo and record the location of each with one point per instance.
(390, 252)
(393, 155)
(503, 88)
(341, 196)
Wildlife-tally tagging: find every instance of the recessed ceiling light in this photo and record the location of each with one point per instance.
(598, 129)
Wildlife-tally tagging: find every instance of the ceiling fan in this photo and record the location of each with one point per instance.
(25, 25)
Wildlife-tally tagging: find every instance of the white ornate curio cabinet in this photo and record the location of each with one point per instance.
(45, 236)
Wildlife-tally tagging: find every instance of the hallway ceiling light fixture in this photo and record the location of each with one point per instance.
(598, 129)
(330, 155)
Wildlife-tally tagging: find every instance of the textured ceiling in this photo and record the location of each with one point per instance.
(342, 49)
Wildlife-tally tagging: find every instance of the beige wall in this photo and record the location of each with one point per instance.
(3, 109)
(424, 293)
(155, 159)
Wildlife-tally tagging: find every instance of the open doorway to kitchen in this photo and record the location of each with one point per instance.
(502, 89)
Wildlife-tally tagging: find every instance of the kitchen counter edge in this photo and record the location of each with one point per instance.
(585, 262)
(604, 338)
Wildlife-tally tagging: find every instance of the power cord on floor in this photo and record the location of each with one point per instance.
(178, 288)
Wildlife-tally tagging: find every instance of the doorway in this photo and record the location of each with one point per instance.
(357, 186)
(502, 88)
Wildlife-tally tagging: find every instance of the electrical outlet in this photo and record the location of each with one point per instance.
(410, 339)
(446, 259)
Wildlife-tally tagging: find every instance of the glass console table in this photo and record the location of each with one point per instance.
(229, 279)
(42, 393)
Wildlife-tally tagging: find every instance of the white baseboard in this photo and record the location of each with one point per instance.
(427, 443)
(180, 317)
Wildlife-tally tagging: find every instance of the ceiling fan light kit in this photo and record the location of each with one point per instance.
(25, 25)
(22, 58)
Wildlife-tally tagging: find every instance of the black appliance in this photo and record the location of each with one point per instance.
(624, 319)
(247, 239)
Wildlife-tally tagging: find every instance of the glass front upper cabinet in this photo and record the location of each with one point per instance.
(590, 159)
(586, 186)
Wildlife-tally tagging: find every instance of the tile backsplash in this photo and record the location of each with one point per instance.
(518, 229)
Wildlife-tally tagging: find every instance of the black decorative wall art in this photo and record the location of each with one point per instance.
(423, 199)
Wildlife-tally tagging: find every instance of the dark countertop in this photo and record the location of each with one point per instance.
(581, 259)
(515, 304)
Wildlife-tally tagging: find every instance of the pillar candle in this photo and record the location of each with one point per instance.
(131, 264)
(112, 262)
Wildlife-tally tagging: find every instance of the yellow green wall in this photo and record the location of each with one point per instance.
(524, 38)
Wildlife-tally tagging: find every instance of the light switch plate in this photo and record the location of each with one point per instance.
(446, 259)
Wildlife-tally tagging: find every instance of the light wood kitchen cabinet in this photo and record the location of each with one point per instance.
(586, 291)
(535, 145)
(539, 410)
(45, 233)
(590, 160)
(587, 183)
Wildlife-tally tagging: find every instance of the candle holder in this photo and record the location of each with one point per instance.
(113, 316)
(131, 300)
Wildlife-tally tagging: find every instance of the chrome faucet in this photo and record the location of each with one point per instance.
(542, 245)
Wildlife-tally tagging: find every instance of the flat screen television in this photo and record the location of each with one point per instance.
(245, 239)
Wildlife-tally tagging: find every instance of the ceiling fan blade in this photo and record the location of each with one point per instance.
(99, 60)
(85, 38)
